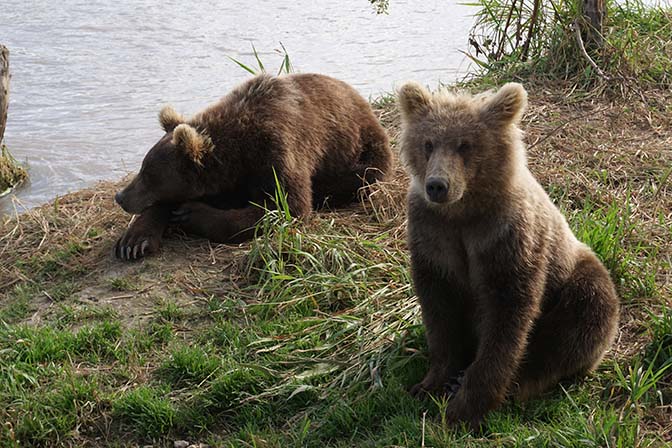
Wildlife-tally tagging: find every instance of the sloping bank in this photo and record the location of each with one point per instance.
(310, 334)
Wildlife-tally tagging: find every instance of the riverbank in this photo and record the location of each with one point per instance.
(310, 335)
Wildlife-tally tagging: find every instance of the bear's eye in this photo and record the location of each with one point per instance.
(464, 147)
(429, 146)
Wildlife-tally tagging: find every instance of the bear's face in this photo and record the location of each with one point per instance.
(171, 172)
(455, 143)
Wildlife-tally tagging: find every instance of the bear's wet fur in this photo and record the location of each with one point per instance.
(512, 302)
(316, 133)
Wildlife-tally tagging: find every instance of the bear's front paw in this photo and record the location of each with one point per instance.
(466, 408)
(141, 239)
(447, 388)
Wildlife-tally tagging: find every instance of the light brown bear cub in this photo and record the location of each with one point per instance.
(508, 294)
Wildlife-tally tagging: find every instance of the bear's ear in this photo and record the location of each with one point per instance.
(414, 100)
(194, 144)
(170, 118)
(506, 106)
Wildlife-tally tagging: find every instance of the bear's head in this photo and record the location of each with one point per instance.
(171, 172)
(454, 144)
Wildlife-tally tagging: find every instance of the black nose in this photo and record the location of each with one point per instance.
(118, 198)
(437, 189)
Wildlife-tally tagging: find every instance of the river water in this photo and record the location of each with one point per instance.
(89, 77)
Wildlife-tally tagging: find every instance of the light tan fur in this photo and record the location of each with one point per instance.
(169, 118)
(193, 143)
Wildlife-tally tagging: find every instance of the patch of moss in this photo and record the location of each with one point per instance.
(11, 173)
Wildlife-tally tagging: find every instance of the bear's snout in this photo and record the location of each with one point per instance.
(135, 198)
(119, 199)
(437, 189)
(128, 203)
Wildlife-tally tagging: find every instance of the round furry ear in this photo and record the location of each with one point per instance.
(170, 118)
(413, 99)
(193, 143)
(506, 106)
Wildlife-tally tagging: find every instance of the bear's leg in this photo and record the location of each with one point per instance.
(217, 225)
(570, 338)
(376, 151)
(507, 302)
(144, 234)
(451, 339)
(236, 225)
(336, 188)
(299, 190)
(375, 161)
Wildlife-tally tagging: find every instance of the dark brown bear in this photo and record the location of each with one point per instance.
(509, 296)
(206, 174)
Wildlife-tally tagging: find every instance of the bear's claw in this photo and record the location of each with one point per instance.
(454, 383)
(130, 251)
(447, 389)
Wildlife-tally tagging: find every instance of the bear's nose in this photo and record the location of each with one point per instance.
(437, 189)
(118, 197)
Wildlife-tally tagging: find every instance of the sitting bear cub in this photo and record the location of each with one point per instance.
(206, 174)
(512, 302)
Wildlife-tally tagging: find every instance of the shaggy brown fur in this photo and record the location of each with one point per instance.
(318, 134)
(508, 294)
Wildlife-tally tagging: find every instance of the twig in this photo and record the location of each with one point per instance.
(582, 47)
(503, 37)
(530, 32)
(424, 414)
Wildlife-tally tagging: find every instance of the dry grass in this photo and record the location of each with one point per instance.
(589, 152)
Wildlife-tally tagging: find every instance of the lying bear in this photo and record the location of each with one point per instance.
(512, 302)
(209, 173)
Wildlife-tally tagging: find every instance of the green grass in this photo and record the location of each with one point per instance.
(605, 229)
(16, 305)
(188, 366)
(285, 62)
(146, 411)
(54, 411)
(659, 352)
(169, 310)
(48, 344)
(123, 283)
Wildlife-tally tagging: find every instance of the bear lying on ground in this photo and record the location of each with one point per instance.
(207, 174)
(512, 302)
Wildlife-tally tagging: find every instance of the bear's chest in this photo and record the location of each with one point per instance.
(441, 246)
(445, 252)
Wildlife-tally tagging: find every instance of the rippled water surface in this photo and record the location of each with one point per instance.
(89, 77)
